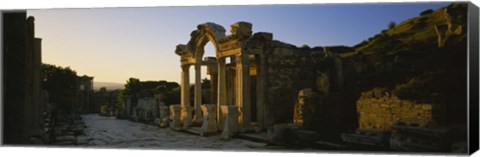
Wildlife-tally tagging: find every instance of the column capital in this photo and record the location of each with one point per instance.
(185, 67)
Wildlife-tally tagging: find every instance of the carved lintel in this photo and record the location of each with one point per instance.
(232, 52)
(228, 44)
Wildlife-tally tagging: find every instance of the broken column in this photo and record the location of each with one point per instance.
(209, 119)
(304, 110)
(175, 122)
(162, 111)
(164, 116)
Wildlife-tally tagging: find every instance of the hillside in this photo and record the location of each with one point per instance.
(420, 59)
(417, 34)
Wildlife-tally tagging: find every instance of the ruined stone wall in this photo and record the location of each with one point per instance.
(147, 108)
(378, 109)
(289, 69)
(22, 63)
(15, 77)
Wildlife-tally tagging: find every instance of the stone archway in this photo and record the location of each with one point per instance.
(192, 54)
(232, 45)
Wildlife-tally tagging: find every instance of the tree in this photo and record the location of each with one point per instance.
(391, 25)
(133, 86)
(102, 90)
(61, 83)
(426, 12)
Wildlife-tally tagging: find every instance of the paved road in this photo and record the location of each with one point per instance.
(108, 132)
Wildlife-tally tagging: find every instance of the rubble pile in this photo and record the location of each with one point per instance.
(408, 137)
(66, 129)
(43, 136)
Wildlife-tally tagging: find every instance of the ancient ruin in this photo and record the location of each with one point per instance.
(400, 90)
(385, 119)
(261, 80)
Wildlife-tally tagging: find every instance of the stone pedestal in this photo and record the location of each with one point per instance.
(230, 127)
(175, 122)
(187, 116)
(209, 119)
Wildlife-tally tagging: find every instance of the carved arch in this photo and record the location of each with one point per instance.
(199, 38)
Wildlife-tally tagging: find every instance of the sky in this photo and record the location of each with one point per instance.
(114, 44)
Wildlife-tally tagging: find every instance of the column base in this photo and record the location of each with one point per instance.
(209, 125)
(187, 119)
(231, 125)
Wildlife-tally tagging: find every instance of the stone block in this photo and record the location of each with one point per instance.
(187, 119)
(230, 113)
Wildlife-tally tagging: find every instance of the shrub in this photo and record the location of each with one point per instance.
(426, 12)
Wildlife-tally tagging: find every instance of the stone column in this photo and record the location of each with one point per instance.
(185, 95)
(222, 90)
(213, 72)
(230, 127)
(209, 119)
(213, 87)
(198, 95)
(243, 91)
(175, 122)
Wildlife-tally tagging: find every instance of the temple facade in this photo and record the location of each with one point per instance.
(257, 88)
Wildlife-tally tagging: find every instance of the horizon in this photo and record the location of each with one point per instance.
(114, 44)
